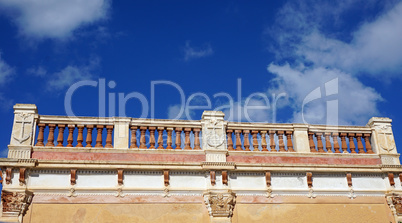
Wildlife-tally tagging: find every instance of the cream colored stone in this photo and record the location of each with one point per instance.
(121, 133)
(300, 139)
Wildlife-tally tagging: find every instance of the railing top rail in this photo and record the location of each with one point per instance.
(53, 119)
(166, 123)
(344, 129)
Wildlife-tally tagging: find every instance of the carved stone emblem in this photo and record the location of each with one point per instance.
(395, 203)
(24, 119)
(15, 203)
(220, 204)
(213, 139)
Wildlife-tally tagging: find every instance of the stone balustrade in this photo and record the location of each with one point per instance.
(340, 140)
(211, 133)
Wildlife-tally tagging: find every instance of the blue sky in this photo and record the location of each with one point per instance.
(271, 54)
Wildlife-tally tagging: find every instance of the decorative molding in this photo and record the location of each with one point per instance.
(15, 204)
(220, 204)
(395, 203)
(8, 174)
(120, 177)
(225, 177)
(166, 177)
(349, 179)
(73, 176)
(309, 179)
(268, 179)
(22, 176)
(213, 177)
(391, 179)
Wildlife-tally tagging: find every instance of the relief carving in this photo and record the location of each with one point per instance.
(16, 203)
(25, 118)
(220, 204)
(395, 203)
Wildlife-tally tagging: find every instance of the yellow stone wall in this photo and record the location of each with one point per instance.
(197, 213)
(113, 213)
(312, 213)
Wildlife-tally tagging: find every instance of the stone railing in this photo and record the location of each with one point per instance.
(211, 134)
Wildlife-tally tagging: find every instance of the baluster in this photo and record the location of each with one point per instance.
(40, 135)
(281, 143)
(187, 143)
(152, 137)
(109, 140)
(99, 142)
(360, 148)
(255, 140)
(178, 137)
(352, 145)
(133, 137)
(169, 139)
(143, 145)
(289, 140)
(80, 137)
(160, 137)
(70, 138)
(336, 144)
(272, 141)
(263, 140)
(89, 135)
(197, 139)
(368, 144)
(230, 142)
(320, 146)
(60, 137)
(343, 142)
(311, 142)
(328, 145)
(238, 140)
(246, 140)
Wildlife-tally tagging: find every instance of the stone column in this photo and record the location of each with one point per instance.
(23, 133)
(214, 136)
(300, 138)
(382, 140)
(121, 132)
(14, 205)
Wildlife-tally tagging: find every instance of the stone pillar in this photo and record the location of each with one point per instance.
(382, 140)
(121, 133)
(300, 138)
(214, 136)
(23, 133)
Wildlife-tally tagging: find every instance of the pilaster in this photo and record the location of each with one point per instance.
(23, 132)
(214, 140)
(121, 133)
(300, 138)
(382, 140)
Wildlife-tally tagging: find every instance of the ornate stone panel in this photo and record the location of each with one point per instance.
(15, 203)
(220, 204)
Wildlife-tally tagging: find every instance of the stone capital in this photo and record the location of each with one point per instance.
(220, 205)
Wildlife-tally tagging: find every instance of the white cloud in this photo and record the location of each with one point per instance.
(376, 47)
(71, 74)
(356, 103)
(6, 71)
(52, 18)
(37, 71)
(199, 52)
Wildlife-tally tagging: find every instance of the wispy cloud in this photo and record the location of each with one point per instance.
(311, 54)
(197, 52)
(6, 71)
(52, 18)
(37, 71)
(71, 74)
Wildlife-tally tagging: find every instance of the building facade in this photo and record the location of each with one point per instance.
(91, 169)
